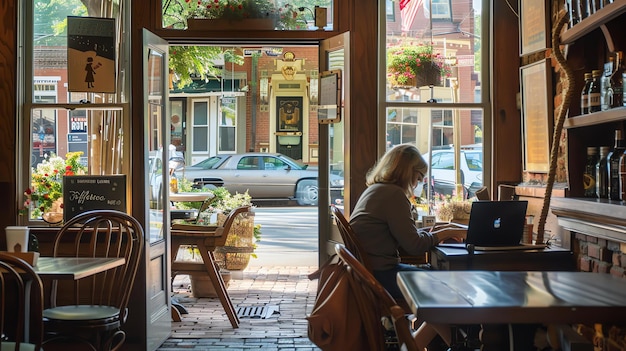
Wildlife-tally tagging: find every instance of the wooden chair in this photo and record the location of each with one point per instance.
(92, 310)
(349, 237)
(206, 239)
(21, 305)
(380, 300)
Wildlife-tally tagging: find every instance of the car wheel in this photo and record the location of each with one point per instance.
(307, 192)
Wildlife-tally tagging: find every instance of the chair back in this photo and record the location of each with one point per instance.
(349, 237)
(379, 299)
(21, 292)
(100, 233)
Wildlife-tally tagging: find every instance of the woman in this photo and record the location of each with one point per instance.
(383, 220)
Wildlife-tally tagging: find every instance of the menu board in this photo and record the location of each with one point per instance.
(84, 193)
(330, 96)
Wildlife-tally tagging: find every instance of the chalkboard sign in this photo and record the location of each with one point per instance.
(84, 193)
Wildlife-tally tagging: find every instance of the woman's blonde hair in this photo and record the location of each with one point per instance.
(398, 166)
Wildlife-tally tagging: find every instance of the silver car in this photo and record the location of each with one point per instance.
(264, 175)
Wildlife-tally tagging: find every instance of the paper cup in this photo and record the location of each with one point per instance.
(17, 236)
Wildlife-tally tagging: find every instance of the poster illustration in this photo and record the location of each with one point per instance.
(91, 54)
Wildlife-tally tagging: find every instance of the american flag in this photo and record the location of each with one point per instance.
(408, 10)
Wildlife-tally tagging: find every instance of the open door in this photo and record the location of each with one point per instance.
(156, 135)
(334, 55)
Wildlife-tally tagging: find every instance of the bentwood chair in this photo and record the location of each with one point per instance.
(93, 310)
(349, 237)
(21, 305)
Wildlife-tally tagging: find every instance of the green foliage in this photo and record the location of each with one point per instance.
(226, 202)
(46, 191)
(199, 61)
(408, 61)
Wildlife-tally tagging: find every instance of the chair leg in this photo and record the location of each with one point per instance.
(220, 289)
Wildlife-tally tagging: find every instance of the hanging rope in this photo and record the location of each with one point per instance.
(568, 84)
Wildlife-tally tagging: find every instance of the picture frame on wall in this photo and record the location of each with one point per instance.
(537, 115)
(534, 26)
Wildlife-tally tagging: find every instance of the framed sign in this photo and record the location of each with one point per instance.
(84, 193)
(537, 114)
(329, 108)
(91, 54)
(534, 28)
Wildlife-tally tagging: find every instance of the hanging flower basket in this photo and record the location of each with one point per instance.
(415, 65)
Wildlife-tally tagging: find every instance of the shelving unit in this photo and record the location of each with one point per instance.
(588, 42)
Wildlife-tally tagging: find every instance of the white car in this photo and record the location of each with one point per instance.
(442, 174)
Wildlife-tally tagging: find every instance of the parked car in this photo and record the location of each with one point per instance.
(442, 175)
(264, 175)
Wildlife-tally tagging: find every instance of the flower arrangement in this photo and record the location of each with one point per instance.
(407, 62)
(448, 208)
(286, 17)
(46, 192)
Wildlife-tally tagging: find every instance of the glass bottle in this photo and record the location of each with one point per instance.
(595, 91)
(602, 176)
(613, 165)
(606, 84)
(584, 95)
(589, 176)
(622, 176)
(617, 80)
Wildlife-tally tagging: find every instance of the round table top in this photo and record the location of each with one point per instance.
(193, 196)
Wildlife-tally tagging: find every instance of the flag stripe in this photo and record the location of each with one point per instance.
(408, 12)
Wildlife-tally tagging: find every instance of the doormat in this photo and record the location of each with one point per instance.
(260, 312)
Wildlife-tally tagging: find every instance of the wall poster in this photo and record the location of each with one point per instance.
(537, 114)
(534, 27)
(91, 54)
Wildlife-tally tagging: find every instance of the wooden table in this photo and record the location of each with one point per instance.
(507, 302)
(549, 259)
(469, 297)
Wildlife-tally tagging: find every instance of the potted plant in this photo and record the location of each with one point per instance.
(410, 65)
(44, 198)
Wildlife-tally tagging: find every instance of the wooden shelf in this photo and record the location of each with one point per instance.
(592, 119)
(596, 217)
(594, 21)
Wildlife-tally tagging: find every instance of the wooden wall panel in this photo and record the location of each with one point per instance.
(8, 91)
(506, 119)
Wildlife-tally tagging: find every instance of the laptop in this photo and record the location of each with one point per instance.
(497, 226)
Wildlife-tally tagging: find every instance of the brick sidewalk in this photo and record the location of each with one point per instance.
(286, 289)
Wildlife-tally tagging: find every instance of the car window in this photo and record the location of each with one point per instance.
(249, 163)
(209, 163)
(273, 163)
(445, 160)
(474, 161)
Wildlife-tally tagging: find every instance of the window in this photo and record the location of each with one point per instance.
(433, 96)
(57, 116)
(228, 123)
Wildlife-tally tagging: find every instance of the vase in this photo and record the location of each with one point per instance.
(230, 24)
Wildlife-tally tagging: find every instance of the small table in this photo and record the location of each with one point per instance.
(495, 297)
(74, 267)
(191, 197)
(549, 259)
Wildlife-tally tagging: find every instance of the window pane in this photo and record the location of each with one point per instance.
(427, 48)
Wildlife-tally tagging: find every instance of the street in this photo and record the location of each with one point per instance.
(288, 236)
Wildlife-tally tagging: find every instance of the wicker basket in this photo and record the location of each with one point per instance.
(235, 255)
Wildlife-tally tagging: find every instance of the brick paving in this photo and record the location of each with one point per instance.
(206, 326)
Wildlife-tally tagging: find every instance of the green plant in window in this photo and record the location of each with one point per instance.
(407, 61)
(46, 191)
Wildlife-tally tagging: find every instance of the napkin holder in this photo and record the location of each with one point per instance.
(30, 257)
